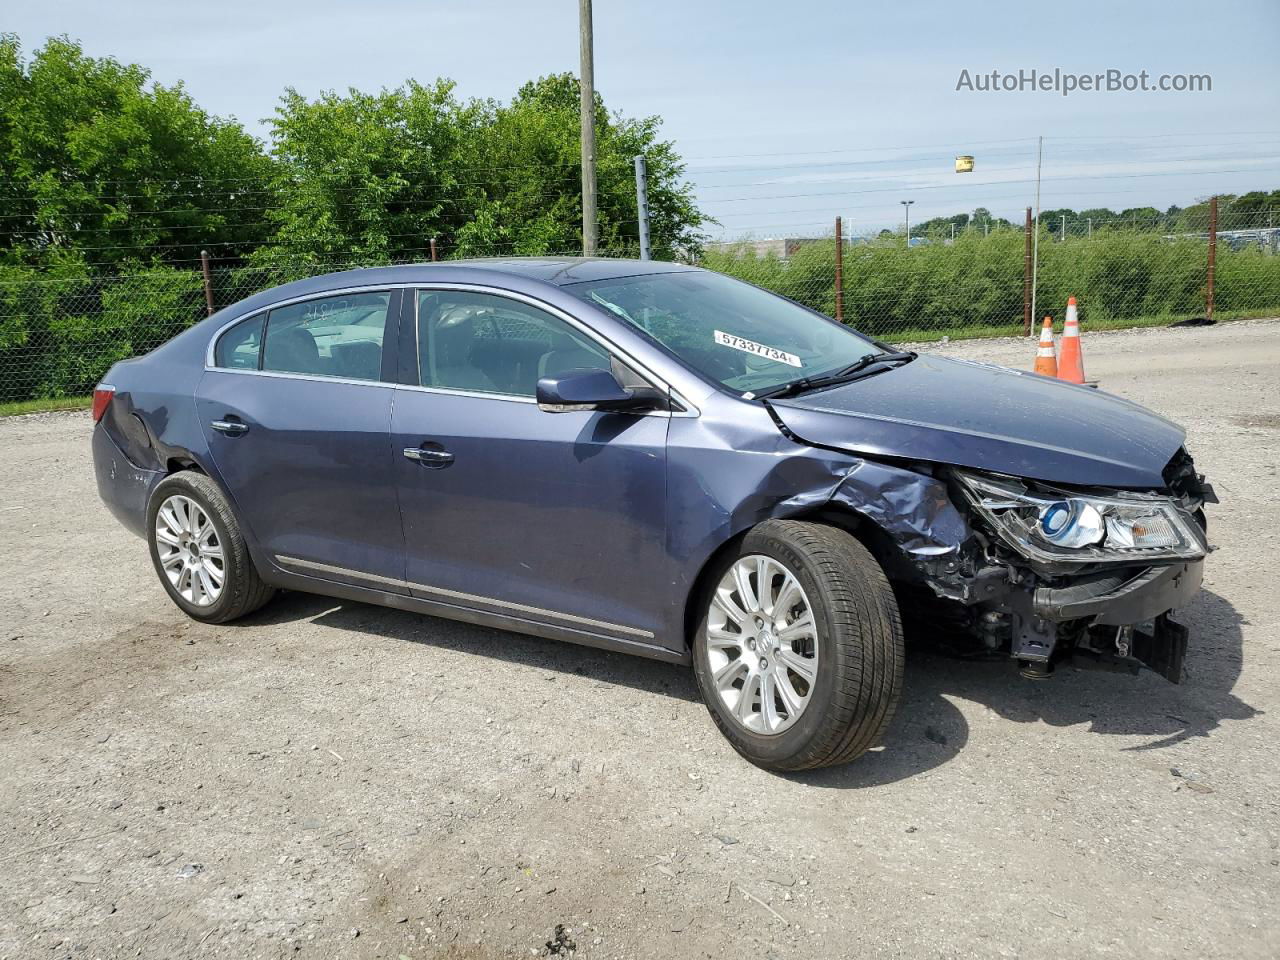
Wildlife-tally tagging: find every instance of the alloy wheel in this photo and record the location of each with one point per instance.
(762, 645)
(190, 551)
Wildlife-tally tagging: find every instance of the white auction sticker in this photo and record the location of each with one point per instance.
(759, 349)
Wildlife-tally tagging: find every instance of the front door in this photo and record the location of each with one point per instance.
(297, 414)
(552, 517)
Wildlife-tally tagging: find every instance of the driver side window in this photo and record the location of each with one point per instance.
(490, 344)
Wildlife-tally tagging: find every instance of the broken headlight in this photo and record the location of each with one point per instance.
(1057, 526)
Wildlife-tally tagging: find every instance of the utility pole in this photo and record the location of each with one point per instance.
(642, 204)
(587, 83)
(906, 218)
(1035, 234)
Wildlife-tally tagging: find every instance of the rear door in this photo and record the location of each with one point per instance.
(297, 410)
(558, 518)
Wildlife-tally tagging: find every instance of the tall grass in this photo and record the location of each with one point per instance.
(975, 285)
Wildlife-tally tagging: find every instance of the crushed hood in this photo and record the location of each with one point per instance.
(993, 418)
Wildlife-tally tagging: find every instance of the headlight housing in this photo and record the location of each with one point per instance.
(1058, 526)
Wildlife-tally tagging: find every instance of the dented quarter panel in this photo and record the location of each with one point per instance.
(124, 487)
(153, 419)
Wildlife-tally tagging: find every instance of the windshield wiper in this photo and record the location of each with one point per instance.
(863, 367)
(861, 364)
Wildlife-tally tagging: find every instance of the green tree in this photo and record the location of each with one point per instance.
(96, 160)
(367, 177)
(374, 177)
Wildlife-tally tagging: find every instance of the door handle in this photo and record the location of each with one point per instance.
(429, 458)
(232, 428)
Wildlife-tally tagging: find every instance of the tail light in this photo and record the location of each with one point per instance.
(102, 395)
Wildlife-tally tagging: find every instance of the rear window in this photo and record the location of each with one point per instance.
(338, 336)
(240, 347)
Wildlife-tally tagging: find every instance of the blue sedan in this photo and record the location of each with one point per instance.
(660, 460)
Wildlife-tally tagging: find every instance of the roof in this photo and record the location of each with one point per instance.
(556, 270)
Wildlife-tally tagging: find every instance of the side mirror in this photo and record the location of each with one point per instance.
(585, 389)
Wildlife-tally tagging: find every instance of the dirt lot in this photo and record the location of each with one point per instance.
(335, 780)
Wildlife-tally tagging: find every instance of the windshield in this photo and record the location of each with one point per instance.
(743, 337)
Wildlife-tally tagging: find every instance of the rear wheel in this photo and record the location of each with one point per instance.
(199, 552)
(799, 655)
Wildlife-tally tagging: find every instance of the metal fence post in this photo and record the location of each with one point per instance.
(434, 257)
(839, 273)
(1026, 281)
(208, 282)
(1213, 257)
(642, 204)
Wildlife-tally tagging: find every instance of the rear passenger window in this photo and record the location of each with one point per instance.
(331, 337)
(491, 344)
(240, 347)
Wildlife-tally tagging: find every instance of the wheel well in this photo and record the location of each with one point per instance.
(866, 532)
(177, 464)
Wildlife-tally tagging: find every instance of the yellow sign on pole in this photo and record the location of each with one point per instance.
(964, 164)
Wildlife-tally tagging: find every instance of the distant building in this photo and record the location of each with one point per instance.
(781, 247)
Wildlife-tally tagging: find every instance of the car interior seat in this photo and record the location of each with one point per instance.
(567, 353)
(452, 365)
(292, 350)
(357, 359)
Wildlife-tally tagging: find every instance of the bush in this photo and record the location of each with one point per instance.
(975, 285)
(60, 330)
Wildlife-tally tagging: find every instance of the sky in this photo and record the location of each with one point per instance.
(788, 113)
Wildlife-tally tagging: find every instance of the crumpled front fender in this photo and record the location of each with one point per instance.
(912, 508)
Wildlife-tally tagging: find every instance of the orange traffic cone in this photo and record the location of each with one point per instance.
(1071, 368)
(1046, 361)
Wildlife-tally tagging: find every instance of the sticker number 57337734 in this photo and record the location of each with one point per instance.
(759, 349)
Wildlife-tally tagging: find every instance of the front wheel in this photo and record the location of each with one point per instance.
(199, 552)
(799, 654)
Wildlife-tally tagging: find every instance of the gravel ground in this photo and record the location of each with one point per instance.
(334, 780)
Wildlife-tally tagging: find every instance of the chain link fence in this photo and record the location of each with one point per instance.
(60, 329)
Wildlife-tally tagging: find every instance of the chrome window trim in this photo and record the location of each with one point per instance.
(315, 377)
(458, 595)
(210, 352)
(476, 394)
(607, 345)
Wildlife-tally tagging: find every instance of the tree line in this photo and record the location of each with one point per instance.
(102, 168)
(1246, 211)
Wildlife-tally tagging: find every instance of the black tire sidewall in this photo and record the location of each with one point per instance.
(215, 511)
(776, 750)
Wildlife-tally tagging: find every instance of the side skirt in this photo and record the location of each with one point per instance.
(499, 621)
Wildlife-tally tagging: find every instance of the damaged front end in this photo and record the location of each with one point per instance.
(1043, 573)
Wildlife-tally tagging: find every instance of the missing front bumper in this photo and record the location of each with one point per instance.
(1113, 621)
(1160, 646)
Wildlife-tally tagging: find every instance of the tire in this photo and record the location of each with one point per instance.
(242, 590)
(855, 650)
